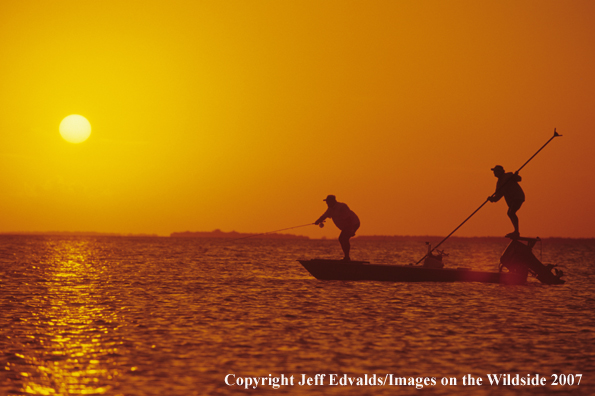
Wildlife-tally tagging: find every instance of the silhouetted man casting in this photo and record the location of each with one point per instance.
(508, 187)
(344, 218)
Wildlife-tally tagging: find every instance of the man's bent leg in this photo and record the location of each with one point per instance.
(512, 209)
(345, 245)
(344, 240)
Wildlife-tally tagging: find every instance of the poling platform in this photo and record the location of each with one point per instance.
(519, 258)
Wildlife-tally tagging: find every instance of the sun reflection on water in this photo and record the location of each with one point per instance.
(70, 326)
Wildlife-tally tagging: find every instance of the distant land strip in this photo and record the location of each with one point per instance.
(77, 233)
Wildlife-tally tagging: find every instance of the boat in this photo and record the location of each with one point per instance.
(516, 264)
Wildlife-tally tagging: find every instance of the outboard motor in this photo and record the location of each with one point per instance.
(518, 257)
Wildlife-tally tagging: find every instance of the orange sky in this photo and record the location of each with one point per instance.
(244, 115)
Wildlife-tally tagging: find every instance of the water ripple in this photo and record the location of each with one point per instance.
(155, 316)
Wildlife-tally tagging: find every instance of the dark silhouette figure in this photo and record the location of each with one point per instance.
(509, 188)
(344, 218)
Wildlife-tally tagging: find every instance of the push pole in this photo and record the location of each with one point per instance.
(556, 134)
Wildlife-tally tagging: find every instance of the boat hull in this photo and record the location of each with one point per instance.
(364, 271)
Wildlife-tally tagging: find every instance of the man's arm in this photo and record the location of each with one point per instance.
(494, 198)
(501, 186)
(322, 218)
(498, 194)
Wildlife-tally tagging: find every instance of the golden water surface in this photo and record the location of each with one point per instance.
(167, 316)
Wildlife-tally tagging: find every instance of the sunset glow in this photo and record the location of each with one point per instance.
(244, 115)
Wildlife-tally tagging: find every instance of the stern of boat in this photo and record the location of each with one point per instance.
(519, 258)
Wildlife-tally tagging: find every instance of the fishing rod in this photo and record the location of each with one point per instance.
(556, 134)
(271, 232)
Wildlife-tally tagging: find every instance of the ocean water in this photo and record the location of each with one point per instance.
(179, 316)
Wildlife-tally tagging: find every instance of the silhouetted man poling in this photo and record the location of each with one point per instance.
(344, 218)
(509, 188)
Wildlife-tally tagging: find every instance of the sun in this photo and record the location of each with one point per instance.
(75, 128)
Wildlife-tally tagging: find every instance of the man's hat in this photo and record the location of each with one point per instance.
(330, 198)
(498, 167)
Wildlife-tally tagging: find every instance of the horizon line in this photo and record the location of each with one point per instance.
(229, 234)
